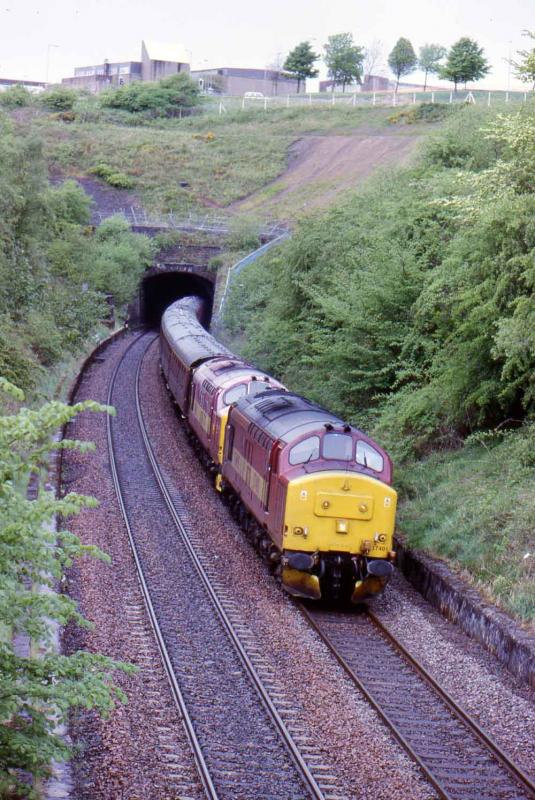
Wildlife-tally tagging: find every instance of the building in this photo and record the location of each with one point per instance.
(157, 61)
(31, 86)
(238, 81)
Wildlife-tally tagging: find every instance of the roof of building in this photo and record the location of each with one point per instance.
(160, 51)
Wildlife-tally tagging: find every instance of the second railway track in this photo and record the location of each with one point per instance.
(457, 757)
(243, 731)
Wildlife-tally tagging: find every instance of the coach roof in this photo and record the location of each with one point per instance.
(187, 337)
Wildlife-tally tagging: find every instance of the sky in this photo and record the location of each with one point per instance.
(41, 40)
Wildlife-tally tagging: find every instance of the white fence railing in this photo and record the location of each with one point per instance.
(392, 99)
(215, 224)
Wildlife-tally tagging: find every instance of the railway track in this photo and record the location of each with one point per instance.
(456, 756)
(244, 733)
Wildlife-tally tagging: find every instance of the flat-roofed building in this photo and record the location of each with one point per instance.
(238, 81)
(157, 61)
(31, 86)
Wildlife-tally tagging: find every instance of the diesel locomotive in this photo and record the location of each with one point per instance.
(313, 492)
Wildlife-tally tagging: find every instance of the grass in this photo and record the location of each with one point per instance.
(476, 508)
(220, 158)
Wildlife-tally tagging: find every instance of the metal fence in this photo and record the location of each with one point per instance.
(222, 105)
(208, 223)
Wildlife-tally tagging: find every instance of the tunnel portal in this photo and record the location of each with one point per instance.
(158, 289)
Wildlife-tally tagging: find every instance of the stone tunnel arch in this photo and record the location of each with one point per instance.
(159, 288)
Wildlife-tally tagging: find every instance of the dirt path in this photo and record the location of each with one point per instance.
(321, 167)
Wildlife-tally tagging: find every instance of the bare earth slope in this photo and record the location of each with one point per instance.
(321, 167)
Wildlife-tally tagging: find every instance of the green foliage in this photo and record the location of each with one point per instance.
(59, 98)
(53, 270)
(343, 59)
(215, 263)
(300, 62)
(119, 259)
(465, 62)
(402, 59)
(525, 67)
(476, 507)
(429, 59)
(112, 177)
(15, 97)
(165, 98)
(37, 691)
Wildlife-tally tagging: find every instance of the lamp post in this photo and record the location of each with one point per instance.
(48, 49)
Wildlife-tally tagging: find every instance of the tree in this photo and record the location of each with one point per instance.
(300, 62)
(343, 59)
(38, 690)
(465, 62)
(402, 59)
(429, 59)
(373, 58)
(525, 69)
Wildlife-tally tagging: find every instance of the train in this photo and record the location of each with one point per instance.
(312, 492)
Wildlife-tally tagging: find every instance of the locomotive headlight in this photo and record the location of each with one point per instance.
(379, 537)
(342, 526)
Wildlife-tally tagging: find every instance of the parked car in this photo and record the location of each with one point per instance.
(254, 95)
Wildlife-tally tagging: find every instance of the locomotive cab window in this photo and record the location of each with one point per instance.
(257, 387)
(369, 457)
(233, 395)
(337, 447)
(305, 451)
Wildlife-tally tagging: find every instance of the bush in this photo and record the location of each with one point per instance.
(423, 112)
(215, 263)
(59, 98)
(15, 97)
(165, 98)
(112, 177)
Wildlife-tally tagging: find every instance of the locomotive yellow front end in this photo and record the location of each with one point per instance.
(338, 535)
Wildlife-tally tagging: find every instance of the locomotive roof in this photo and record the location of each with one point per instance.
(186, 335)
(285, 415)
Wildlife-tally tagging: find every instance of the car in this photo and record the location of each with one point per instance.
(253, 96)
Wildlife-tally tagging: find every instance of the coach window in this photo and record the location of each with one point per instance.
(338, 447)
(234, 394)
(305, 451)
(369, 457)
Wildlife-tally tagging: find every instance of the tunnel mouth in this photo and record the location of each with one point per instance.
(158, 291)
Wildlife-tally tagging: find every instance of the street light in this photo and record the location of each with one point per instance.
(48, 49)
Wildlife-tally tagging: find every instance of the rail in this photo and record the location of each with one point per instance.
(432, 740)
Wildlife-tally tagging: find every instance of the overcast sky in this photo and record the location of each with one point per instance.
(245, 34)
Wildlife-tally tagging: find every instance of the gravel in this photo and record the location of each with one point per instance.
(499, 703)
(141, 751)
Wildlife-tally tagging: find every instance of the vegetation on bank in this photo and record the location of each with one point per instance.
(39, 686)
(409, 310)
(58, 276)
